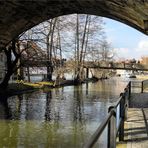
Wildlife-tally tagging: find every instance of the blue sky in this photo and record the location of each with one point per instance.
(126, 41)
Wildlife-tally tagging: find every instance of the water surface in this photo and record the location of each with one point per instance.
(57, 118)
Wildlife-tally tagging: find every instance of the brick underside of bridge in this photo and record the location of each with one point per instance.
(18, 16)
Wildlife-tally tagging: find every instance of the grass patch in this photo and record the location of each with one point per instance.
(21, 85)
(46, 83)
(142, 77)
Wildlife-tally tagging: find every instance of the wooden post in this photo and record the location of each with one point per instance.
(125, 97)
(112, 129)
(87, 72)
(142, 87)
(129, 90)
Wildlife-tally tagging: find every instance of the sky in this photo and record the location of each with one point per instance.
(127, 42)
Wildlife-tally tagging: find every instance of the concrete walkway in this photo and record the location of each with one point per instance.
(136, 125)
(136, 131)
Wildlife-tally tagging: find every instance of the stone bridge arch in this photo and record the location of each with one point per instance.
(17, 16)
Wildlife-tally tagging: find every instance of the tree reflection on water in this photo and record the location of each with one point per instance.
(64, 117)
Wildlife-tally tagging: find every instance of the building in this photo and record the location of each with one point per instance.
(144, 60)
(33, 62)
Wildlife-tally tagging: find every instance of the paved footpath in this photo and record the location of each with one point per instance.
(136, 125)
(137, 128)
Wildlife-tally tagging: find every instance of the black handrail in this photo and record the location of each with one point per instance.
(98, 132)
(144, 84)
(111, 121)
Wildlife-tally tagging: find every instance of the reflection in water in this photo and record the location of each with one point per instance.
(4, 108)
(48, 107)
(78, 104)
(61, 117)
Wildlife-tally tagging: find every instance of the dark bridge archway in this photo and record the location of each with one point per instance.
(17, 16)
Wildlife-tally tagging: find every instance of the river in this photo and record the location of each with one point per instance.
(57, 118)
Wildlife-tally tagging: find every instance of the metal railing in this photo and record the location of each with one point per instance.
(144, 85)
(114, 121)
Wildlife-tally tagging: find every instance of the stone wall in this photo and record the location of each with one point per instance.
(17, 16)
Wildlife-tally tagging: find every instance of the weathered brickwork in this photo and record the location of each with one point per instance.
(16, 16)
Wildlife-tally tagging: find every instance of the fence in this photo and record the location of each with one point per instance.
(144, 85)
(114, 121)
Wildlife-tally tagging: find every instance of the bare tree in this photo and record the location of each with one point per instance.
(13, 54)
(106, 52)
(78, 37)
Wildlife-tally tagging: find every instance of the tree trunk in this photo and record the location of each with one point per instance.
(86, 42)
(49, 72)
(11, 64)
(83, 39)
(49, 50)
(5, 81)
(80, 53)
(28, 74)
(60, 47)
(77, 77)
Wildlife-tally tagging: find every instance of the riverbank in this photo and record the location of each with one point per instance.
(142, 77)
(51, 112)
(20, 87)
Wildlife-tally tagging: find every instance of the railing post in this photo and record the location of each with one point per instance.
(129, 90)
(142, 87)
(122, 116)
(125, 95)
(87, 72)
(112, 129)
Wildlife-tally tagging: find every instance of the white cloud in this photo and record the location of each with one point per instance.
(140, 49)
(122, 52)
(142, 46)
